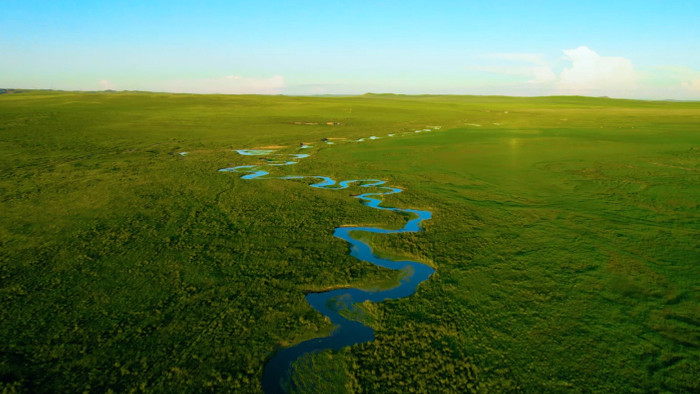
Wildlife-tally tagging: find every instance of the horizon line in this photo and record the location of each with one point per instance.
(20, 90)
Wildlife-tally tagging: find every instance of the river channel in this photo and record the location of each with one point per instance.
(331, 303)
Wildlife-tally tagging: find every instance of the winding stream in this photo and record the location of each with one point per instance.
(331, 303)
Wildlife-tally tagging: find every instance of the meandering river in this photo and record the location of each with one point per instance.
(331, 303)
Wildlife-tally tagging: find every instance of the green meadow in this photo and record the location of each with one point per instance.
(565, 234)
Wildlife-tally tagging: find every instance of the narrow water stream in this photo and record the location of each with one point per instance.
(331, 303)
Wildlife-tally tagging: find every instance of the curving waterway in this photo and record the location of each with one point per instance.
(331, 303)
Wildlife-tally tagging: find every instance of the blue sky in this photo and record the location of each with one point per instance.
(639, 49)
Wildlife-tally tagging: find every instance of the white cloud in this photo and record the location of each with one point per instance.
(591, 73)
(536, 69)
(230, 84)
(542, 74)
(535, 74)
(583, 72)
(693, 85)
(106, 84)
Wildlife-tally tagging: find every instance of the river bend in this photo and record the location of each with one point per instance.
(331, 303)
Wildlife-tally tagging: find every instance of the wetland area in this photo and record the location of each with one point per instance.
(467, 243)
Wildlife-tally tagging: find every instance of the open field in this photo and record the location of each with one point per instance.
(565, 234)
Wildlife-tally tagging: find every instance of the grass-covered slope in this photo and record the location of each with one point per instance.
(565, 233)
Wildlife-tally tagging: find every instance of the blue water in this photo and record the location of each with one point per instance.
(331, 303)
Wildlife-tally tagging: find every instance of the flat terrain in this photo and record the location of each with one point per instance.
(565, 233)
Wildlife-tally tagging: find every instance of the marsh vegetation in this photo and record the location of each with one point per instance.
(565, 234)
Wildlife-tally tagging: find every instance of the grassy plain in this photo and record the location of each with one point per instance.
(565, 232)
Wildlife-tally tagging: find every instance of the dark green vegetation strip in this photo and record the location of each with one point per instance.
(565, 232)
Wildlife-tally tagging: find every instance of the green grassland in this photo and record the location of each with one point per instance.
(565, 233)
